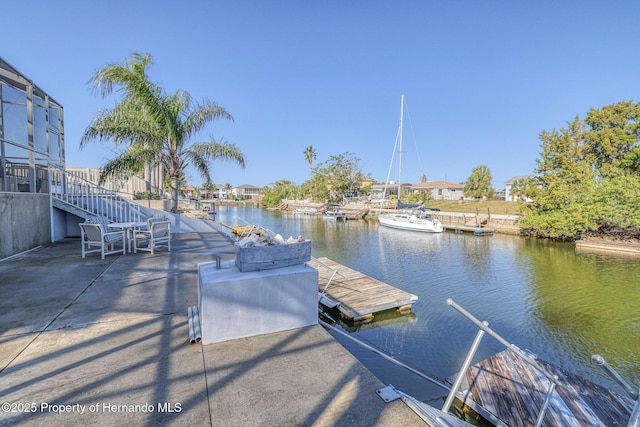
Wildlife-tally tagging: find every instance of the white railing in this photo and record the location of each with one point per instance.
(89, 197)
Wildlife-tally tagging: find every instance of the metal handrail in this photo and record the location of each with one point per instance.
(634, 419)
(320, 263)
(89, 197)
(484, 328)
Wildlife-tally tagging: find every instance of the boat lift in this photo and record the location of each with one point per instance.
(554, 381)
(442, 417)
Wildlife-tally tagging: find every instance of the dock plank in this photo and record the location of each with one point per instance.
(358, 295)
(514, 392)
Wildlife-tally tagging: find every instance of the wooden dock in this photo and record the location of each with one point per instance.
(357, 295)
(513, 391)
(244, 230)
(478, 231)
(354, 215)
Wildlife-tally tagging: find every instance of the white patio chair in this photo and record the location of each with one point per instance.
(157, 235)
(96, 238)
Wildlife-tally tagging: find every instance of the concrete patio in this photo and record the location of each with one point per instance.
(91, 341)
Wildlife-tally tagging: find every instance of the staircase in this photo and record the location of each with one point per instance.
(86, 199)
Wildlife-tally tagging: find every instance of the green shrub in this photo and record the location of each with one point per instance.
(146, 195)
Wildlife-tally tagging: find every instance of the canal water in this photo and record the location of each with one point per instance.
(545, 297)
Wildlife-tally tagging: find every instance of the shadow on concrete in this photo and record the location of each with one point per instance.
(107, 341)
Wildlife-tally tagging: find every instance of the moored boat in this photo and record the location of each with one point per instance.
(415, 221)
(308, 210)
(334, 215)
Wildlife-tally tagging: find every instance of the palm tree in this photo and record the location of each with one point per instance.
(155, 127)
(310, 156)
(522, 187)
(209, 188)
(479, 183)
(227, 189)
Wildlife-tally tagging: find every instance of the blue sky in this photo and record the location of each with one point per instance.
(482, 79)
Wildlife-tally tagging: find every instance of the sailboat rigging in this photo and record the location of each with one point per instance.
(417, 220)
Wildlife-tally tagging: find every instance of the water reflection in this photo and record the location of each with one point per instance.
(543, 296)
(385, 318)
(587, 303)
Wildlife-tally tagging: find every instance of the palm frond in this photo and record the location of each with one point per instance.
(212, 151)
(126, 163)
(199, 115)
(124, 124)
(130, 73)
(200, 163)
(155, 126)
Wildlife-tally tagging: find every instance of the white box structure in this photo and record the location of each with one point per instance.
(234, 305)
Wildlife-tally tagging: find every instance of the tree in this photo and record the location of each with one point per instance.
(209, 188)
(335, 179)
(589, 177)
(316, 188)
(565, 205)
(619, 201)
(283, 189)
(155, 127)
(227, 189)
(478, 184)
(523, 187)
(310, 155)
(612, 138)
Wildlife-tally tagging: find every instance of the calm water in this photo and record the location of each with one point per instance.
(542, 296)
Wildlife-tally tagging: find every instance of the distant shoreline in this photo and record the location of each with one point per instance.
(501, 224)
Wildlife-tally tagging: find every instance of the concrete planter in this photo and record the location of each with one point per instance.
(268, 257)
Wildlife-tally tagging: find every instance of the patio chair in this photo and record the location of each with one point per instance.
(157, 235)
(96, 237)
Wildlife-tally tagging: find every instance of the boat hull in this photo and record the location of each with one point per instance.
(411, 223)
(334, 216)
(306, 211)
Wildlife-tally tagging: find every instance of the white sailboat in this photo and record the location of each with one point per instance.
(415, 220)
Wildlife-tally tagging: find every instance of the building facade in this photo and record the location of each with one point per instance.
(246, 192)
(384, 191)
(31, 137)
(440, 190)
(31, 133)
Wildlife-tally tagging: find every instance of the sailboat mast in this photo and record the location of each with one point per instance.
(400, 147)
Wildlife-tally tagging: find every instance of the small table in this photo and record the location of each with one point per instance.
(128, 228)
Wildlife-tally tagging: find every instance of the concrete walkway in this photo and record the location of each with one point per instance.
(105, 342)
